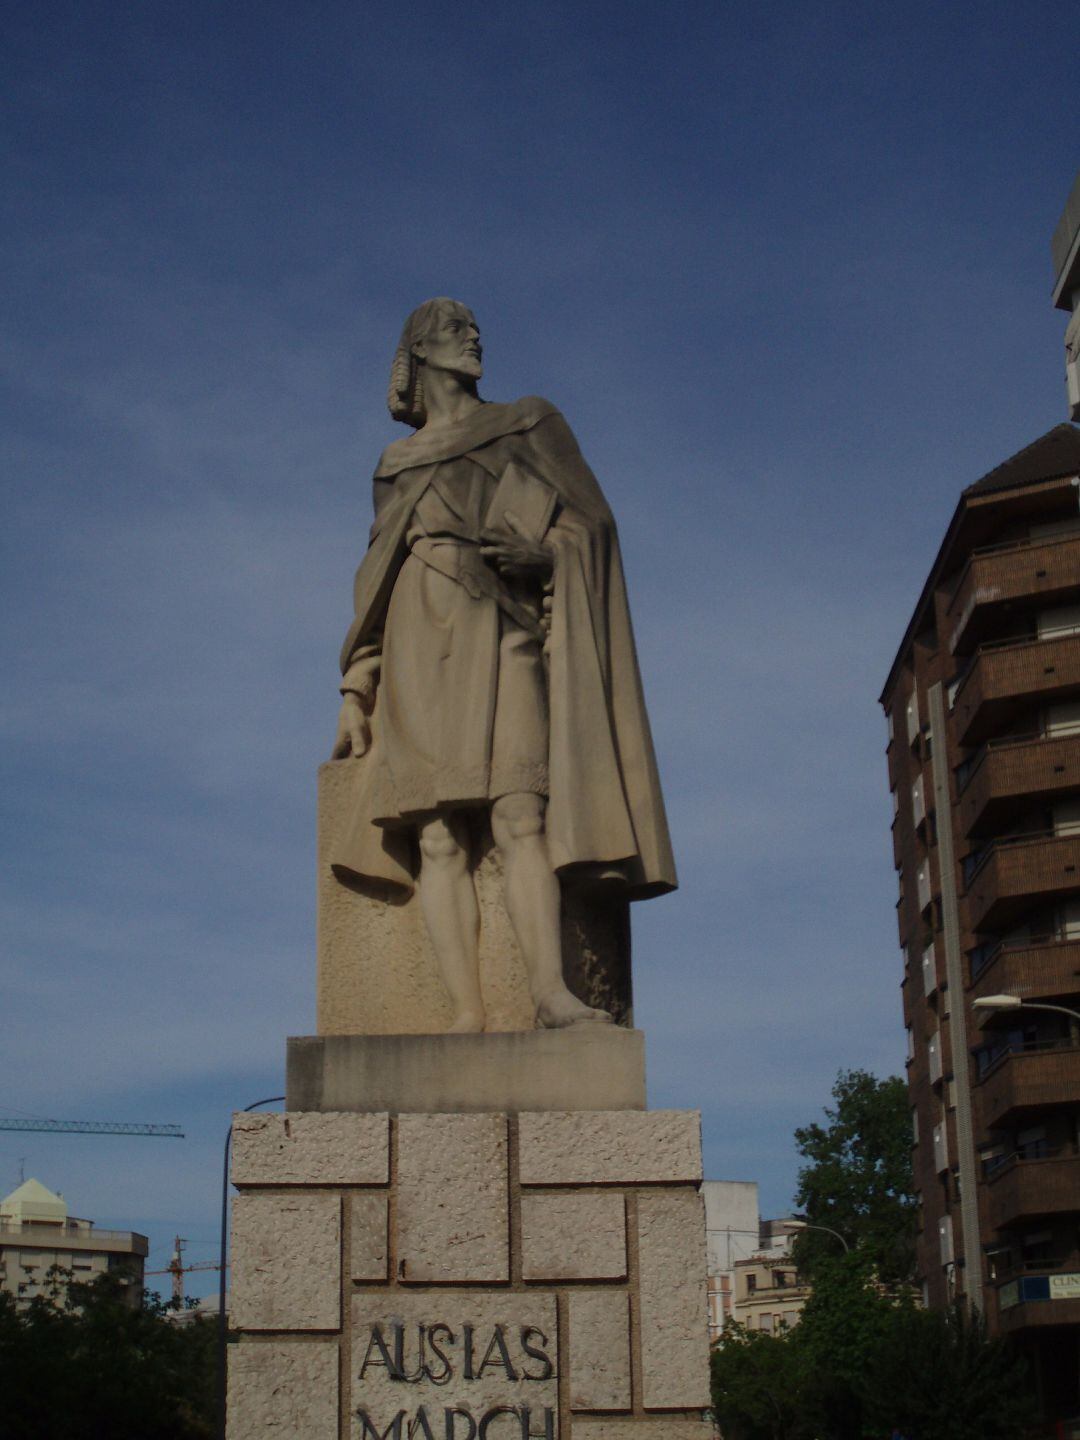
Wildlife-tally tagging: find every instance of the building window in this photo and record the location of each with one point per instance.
(922, 884)
(1062, 719)
(981, 956)
(918, 801)
(1038, 1247)
(912, 716)
(933, 1050)
(751, 1284)
(1061, 620)
(929, 969)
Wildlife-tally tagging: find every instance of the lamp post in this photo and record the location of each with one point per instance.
(1013, 1002)
(796, 1223)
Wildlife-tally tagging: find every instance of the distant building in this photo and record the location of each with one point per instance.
(751, 1275)
(769, 1292)
(207, 1308)
(37, 1233)
(732, 1232)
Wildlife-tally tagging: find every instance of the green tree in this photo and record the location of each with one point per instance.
(858, 1179)
(756, 1385)
(863, 1364)
(866, 1360)
(846, 1323)
(100, 1369)
(968, 1387)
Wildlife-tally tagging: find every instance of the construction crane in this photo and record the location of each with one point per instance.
(93, 1127)
(177, 1269)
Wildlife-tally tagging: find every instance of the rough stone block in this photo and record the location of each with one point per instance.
(286, 1260)
(597, 1148)
(599, 1345)
(574, 1236)
(584, 1067)
(674, 1336)
(376, 971)
(287, 1390)
(453, 1198)
(481, 1351)
(654, 1429)
(309, 1149)
(369, 1249)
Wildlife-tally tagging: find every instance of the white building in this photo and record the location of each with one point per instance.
(732, 1232)
(37, 1233)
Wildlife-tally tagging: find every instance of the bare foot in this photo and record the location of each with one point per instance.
(469, 1022)
(559, 1008)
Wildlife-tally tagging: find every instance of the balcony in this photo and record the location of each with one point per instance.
(69, 1237)
(1005, 879)
(1023, 1077)
(1002, 574)
(1042, 966)
(1021, 1189)
(1008, 676)
(1013, 771)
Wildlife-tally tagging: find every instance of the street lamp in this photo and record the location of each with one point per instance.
(1013, 1002)
(798, 1224)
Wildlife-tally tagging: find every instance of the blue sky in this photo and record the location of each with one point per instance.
(786, 271)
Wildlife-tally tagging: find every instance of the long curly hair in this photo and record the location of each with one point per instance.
(405, 397)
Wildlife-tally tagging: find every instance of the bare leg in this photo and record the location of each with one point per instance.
(448, 901)
(533, 904)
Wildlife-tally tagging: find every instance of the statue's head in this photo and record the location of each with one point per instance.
(441, 334)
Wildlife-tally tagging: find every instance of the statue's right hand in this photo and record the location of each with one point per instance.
(354, 729)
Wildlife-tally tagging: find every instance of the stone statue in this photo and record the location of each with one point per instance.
(490, 671)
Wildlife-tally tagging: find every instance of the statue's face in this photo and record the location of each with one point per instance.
(452, 343)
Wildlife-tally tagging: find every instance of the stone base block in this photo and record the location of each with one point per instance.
(376, 971)
(585, 1067)
(459, 1285)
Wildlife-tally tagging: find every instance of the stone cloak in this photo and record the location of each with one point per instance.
(605, 806)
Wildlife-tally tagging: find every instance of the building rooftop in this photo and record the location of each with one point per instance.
(1050, 457)
(1053, 454)
(33, 1201)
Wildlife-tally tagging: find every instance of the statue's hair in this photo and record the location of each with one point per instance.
(406, 394)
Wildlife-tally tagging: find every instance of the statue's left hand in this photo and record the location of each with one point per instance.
(521, 558)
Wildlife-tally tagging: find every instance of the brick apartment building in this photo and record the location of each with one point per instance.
(983, 707)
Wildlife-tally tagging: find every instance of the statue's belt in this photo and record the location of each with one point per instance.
(468, 568)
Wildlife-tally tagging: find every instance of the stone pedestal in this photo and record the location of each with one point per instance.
(489, 1276)
(376, 971)
(584, 1067)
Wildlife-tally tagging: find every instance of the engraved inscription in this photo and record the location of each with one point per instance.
(459, 1366)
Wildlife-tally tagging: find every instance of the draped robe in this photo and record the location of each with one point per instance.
(605, 808)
